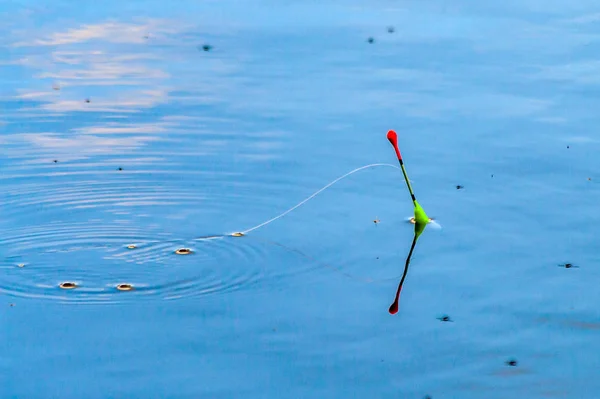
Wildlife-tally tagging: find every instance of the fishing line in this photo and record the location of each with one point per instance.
(301, 253)
(420, 218)
(314, 195)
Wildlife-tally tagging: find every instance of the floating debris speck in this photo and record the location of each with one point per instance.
(124, 287)
(131, 246)
(511, 362)
(568, 265)
(237, 235)
(21, 265)
(67, 285)
(183, 251)
(444, 318)
(370, 40)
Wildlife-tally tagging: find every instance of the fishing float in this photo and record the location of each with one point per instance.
(420, 215)
(420, 219)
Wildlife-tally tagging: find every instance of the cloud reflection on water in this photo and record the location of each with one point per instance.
(112, 69)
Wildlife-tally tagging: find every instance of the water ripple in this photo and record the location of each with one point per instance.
(99, 257)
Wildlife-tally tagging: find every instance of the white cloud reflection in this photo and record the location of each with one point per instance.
(127, 69)
(74, 147)
(104, 68)
(111, 32)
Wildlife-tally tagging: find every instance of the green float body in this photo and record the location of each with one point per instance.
(421, 217)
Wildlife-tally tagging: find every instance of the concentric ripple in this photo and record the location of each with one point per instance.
(114, 193)
(118, 263)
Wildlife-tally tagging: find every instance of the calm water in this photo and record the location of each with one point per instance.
(501, 99)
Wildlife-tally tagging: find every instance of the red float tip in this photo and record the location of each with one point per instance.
(392, 137)
(394, 308)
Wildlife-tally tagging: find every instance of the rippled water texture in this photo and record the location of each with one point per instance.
(136, 137)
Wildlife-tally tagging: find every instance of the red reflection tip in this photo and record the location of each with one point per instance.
(394, 308)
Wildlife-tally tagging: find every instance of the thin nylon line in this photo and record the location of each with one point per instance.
(316, 193)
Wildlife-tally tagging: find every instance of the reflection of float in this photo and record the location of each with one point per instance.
(419, 227)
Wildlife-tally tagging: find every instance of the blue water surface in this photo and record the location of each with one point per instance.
(118, 129)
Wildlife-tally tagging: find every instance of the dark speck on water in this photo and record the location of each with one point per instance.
(458, 187)
(55, 161)
(207, 47)
(567, 265)
(391, 29)
(444, 318)
(87, 100)
(370, 40)
(511, 362)
(120, 169)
